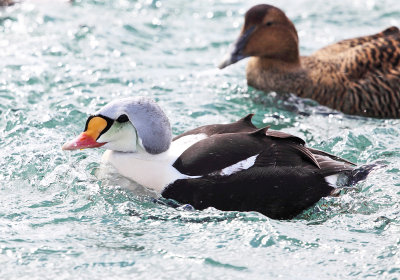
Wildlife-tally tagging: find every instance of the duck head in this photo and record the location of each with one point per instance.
(128, 125)
(266, 33)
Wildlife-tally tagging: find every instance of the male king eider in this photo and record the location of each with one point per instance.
(359, 76)
(233, 167)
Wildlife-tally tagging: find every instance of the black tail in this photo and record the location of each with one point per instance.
(361, 173)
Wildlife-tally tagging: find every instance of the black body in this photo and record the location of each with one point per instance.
(286, 177)
(279, 193)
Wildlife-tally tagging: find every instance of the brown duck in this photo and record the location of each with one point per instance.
(359, 76)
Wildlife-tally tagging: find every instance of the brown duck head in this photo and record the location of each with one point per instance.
(266, 33)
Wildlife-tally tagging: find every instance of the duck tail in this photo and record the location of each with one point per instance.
(361, 173)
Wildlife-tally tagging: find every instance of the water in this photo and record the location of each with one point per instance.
(61, 62)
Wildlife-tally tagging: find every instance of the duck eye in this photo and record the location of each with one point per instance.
(123, 118)
(269, 23)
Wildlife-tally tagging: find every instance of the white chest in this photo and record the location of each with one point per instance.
(155, 175)
(152, 171)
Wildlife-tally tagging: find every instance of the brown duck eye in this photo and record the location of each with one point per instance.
(123, 118)
(269, 23)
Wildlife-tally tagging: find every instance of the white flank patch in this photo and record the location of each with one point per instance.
(332, 180)
(153, 171)
(241, 165)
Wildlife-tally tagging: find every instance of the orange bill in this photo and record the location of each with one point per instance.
(88, 138)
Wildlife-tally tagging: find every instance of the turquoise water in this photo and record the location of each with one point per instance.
(58, 220)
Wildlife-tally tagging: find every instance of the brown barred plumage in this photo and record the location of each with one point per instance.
(359, 76)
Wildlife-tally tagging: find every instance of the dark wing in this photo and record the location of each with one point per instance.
(242, 125)
(223, 150)
(217, 152)
(283, 135)
(287, 154)
(317, 152)
(331, 164)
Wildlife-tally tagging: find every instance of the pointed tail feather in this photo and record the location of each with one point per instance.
(361, 173)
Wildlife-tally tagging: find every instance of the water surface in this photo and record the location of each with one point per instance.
(58, 220)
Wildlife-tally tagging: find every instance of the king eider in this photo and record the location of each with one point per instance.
(232, 167)
(359, 76)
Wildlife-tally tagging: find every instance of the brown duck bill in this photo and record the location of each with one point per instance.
(236, 49)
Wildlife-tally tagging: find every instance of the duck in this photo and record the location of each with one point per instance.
(231, 167)
(359, 76)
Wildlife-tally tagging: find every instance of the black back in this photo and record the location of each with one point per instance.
(242, 125)
(222, 150)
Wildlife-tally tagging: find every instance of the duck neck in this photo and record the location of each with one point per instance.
(270, 74)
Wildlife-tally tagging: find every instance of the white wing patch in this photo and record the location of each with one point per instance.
(332, 180)
(239, 166)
